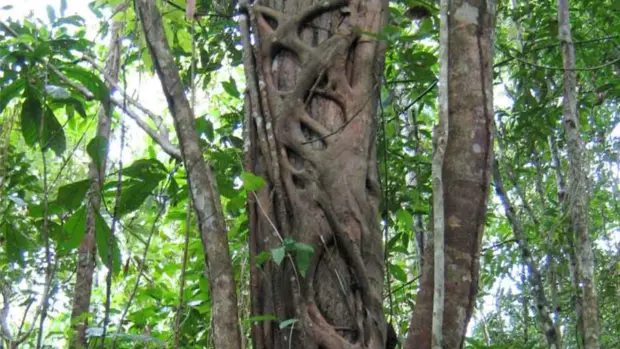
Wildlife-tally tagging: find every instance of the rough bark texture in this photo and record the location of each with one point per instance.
(87, 249)
(465, 173)
(440, 140)
(203, 189)
(577, 192)
(542, 309)
(313, 90)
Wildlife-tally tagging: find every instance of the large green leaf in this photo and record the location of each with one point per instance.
(75, 228)
(70, 196)
(91, 81)
(53, 134)
(15, 242)
(303, 254)
(133, 195)
(145, 175)
(9, 92)
(146, 169)
(102, 236)
(252, 182)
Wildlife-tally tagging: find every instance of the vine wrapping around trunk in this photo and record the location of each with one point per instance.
(312, 96)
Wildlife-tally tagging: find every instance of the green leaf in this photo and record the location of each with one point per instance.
(53, 134)
(75, 228)
(9, 92)
(91, 81)
(133, 195)
(252, 182)
(173, 191)
(398, 273)
(287, 323)
(259, 318)
(303, 254)
(57, 92)
(231, 88)
(70, 196)
(77, 105)
(261, 258)
(102, 236)
(204, 126)
(278, 254)
(16, 242)
(302, 259)
(146, 169)
(31, 120)
(97, 148)
(405, 220)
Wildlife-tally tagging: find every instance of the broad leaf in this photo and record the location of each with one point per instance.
(278, 254)
(70, 196)
(102, 236)
(9, 92)
(252, 182)
(97, 149)
(75, 228)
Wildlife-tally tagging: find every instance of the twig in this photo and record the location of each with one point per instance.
(177, 322)
(46, 240)
(115, 217)
(512, 58)
(405, 284)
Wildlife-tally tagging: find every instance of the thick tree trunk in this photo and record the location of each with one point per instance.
(578, 196)
(87, 249)
(313, 82)
(203, 187)
(465, 170)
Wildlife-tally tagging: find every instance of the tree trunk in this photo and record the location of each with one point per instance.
(542, 310)
(313, 82)
(202, 184)
(465, 174)
(578, 196)
(87, 249)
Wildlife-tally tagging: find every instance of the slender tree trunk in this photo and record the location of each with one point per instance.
(578, 196)
(465, 173)
(535, 277)
(550, 252)
(313, 80)
(573, 267)
(203, 187)
(96, 174)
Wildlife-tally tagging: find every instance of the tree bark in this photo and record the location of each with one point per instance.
(313, 86)
(465, 173)
(87, 250)
(203, 187)
(578, 196)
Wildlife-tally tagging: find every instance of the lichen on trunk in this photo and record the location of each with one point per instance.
(313, 83)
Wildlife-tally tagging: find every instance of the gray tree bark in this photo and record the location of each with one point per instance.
(88, 250)
(465, 173)
(202, 184)
(577, 191)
